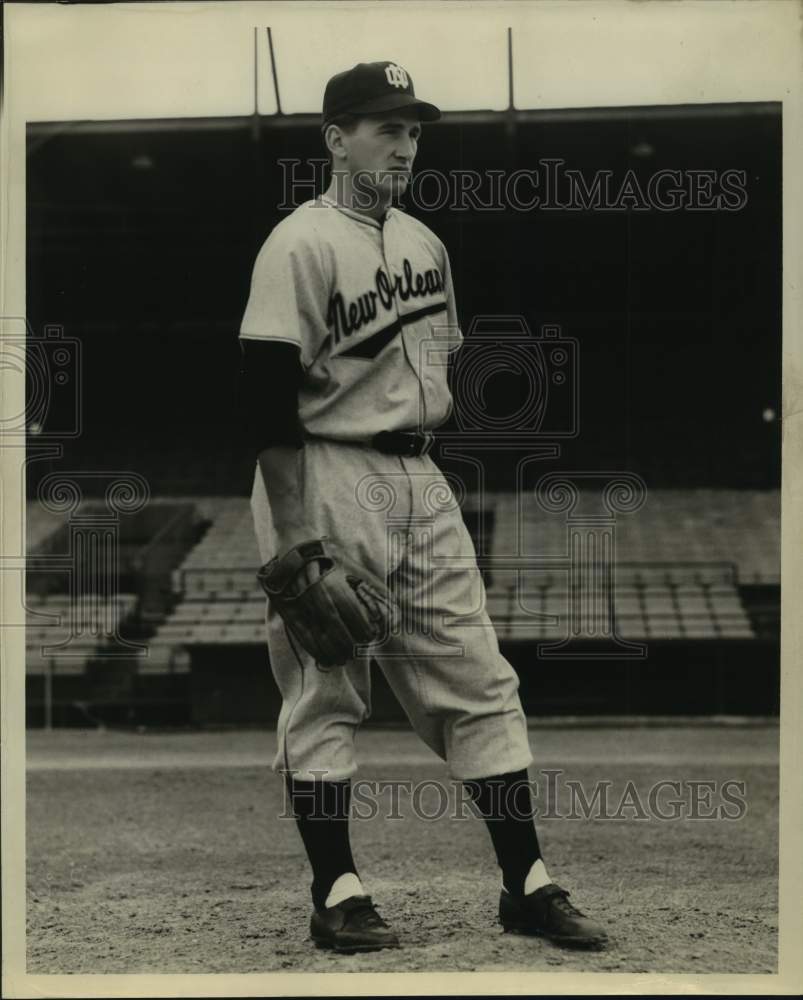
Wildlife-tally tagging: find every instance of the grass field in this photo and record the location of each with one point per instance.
(165, 853)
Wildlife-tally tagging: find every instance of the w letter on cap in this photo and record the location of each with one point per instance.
(396, 76)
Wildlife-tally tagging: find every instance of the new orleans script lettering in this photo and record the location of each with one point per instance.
(346, 318)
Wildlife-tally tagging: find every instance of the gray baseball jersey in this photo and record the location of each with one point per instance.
(361, 299)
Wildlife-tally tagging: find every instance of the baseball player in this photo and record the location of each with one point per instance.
(342, 391)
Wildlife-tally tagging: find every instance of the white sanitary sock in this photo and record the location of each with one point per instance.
(344, 886)
(537, 877)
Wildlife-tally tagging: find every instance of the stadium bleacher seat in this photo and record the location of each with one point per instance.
(698, 525)
(680, 561)
(53, 620)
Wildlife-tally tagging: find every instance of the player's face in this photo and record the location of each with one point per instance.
(381, 150)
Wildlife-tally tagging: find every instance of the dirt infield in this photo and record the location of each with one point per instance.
(167, 854)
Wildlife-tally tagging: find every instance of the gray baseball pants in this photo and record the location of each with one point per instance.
(397, 516)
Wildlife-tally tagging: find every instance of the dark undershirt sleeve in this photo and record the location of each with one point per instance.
(270, 376)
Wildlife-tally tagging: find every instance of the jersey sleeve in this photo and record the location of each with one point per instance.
(289, 294)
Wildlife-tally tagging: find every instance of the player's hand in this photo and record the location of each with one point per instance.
(310, 573)
(287, 538)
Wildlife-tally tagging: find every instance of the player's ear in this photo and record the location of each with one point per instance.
(335, 140)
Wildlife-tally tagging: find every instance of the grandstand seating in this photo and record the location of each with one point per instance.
(742, 527)
(680, 560)
(52, 621)
(652, 611)
(657, 597)
(682, 564)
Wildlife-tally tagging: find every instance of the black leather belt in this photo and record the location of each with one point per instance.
(410, 444)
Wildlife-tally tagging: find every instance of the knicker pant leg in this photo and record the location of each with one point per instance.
(321, 710)
(459, 691)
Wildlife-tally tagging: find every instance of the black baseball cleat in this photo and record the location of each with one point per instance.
(548, 913)
(353, 925)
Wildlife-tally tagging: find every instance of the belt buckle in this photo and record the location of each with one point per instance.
(428, 441)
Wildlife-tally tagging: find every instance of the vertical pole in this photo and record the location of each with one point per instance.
(275, 74)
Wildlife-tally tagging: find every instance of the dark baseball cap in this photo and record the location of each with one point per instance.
(369, 88)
